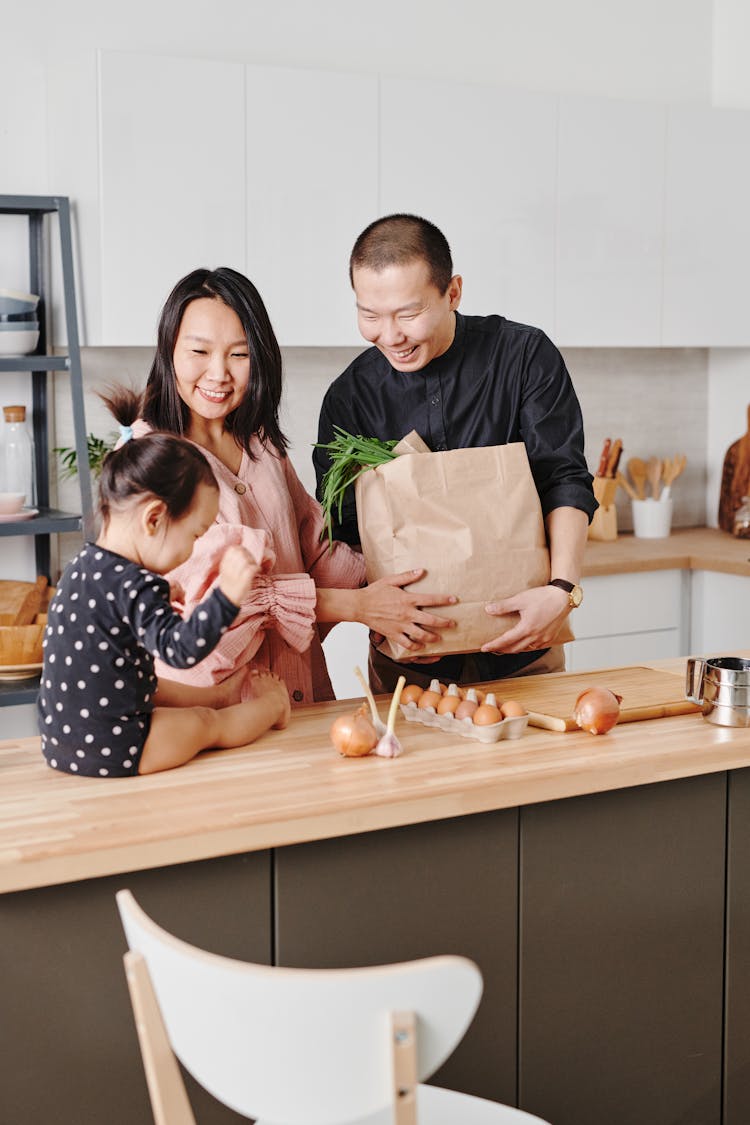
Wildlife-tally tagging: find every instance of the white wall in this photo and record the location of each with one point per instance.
(659, 49)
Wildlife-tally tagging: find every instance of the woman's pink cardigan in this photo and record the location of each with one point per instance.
(265, 508)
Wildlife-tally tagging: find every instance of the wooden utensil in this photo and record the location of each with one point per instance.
(670, 472)
(638, 473)
(623, 481)
(653, 472)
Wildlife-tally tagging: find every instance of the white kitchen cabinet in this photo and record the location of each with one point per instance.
(610, 199)
(172, 174)
(707, 228)
(629, 618)
(480, 162)
(720, 619)
(312, 186)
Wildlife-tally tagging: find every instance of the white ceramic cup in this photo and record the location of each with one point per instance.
(11, 502)
(652, 519)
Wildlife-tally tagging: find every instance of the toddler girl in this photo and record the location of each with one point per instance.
(102, 711)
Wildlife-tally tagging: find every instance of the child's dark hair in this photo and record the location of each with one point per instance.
(162, 465)
(258, 412)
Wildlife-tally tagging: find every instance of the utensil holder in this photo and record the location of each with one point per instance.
(604, 523)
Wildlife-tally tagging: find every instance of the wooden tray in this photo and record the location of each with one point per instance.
(646, 694)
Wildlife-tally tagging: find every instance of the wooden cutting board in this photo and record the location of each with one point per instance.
(646, 694)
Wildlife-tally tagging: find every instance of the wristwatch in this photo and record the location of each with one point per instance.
(574, 592)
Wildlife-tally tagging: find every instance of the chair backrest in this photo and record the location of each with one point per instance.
(302, 1046)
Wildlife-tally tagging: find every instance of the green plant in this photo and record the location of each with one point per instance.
(98, 448)
(350, 456)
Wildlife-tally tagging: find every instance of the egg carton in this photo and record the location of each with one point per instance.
(512, 727)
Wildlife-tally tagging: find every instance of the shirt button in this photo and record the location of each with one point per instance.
(435, 400)
(297, 696)
(240, 488)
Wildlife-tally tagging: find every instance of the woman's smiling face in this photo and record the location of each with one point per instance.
(211, 359)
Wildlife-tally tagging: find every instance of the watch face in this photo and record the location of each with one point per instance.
(576, 596)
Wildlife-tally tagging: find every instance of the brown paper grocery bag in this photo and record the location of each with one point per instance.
(471, 517)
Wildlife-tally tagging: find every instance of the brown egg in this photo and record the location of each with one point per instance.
(411, 693)
(466, 708)
(429, 699)
(486, 714)
(450, 702)
(511, 708)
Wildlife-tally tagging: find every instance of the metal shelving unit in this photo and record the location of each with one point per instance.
(36, 208)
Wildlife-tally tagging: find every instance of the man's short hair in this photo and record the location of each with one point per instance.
(396, 240)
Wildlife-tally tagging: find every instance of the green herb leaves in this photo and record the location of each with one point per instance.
(350, 457)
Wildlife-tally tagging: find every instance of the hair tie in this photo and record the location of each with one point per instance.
(126, 433)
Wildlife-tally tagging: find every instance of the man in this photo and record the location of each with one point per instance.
(463, 381)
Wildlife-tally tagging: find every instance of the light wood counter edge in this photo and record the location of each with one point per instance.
(694, 548)
(513, 783)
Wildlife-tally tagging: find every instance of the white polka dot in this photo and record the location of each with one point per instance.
(104, 702)
(92, 603)
(59, 706)
(74, 574)
(202, 615)
(80, 754)
(89, 628)
(84, 712)
(177, 636)
(74, 767)
(146, 697)
(98, 555)
(191, 660)
(132, 749)
(126, 584)
(94, 668)
(63, 687)
(110, 596)
(119, 684)
(106, 751)
(74, 617)
(89, 738)
(53, 762)
(159, 612)
(69, 660)
(104, 773)
(97, 575)
(81, 684)
(127, 763)
(59, 608)
(119, 568)
(170, 651)
(115, 630)
(54, 741)
(60, 629)
(48, 719)
(66, 729)
(133, 594)
(78, 646)
(74, 597)
(116, 730)
(52, 658)
(201, 642)
(119, 662)
(48, 683)
(103, 646)
(142, 606)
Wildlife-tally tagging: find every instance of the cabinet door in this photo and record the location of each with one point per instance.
(707, 235)
(172, 182)
(610, 198)
(720, 612)
(312, 186)
(480, 162)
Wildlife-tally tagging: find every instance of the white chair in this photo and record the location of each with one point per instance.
(301, 1046)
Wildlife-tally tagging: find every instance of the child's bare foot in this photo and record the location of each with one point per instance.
(269, 685)
(229, 691)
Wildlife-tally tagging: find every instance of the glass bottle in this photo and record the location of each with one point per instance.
(17, 455)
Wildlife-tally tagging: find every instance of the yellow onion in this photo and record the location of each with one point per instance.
(597, 710)
(354, 735)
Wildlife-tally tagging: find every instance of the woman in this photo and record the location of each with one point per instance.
(216, 379)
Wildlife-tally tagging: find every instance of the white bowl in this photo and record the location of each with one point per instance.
(21, 342)
(11, 502)
(16, 301)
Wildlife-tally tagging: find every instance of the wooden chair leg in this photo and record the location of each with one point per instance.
(169, 1100)
(404, 1053)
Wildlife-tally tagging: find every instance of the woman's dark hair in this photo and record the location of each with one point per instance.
(395, 240)
(157, 464)
(258, 413)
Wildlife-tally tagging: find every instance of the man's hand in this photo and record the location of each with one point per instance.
(540, 611)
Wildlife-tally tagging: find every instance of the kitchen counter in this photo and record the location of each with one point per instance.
(290, 787)
(600, 883)
(694, 548)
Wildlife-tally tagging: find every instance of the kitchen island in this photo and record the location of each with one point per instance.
(602, 885)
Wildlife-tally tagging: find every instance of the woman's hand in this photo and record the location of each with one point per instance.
(387, 608)
(541, 612)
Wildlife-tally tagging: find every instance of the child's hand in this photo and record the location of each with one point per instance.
(237, 572)
(268, 685)
(177, 596)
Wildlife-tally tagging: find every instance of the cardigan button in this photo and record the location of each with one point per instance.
(240, 488)
(297, 696)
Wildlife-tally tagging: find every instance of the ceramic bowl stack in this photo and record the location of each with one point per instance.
(19, 327)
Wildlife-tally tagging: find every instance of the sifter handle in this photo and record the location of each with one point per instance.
(696, 666)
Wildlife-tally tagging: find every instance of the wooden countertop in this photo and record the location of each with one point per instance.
(694, 548)
(291, 787)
